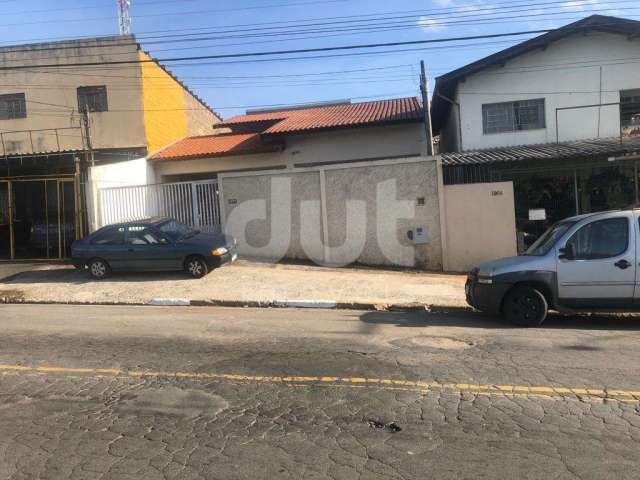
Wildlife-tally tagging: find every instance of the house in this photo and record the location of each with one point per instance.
(62, 111)
(556, 115)
(335, 183)
(298, 136)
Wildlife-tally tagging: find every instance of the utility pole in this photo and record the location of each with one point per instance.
(82, 172)
(424, 89)
(87, 136)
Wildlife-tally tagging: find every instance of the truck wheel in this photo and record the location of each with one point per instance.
(525, 306)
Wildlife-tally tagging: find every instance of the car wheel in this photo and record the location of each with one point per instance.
(525, 306)
(99, 269)
(196, 267)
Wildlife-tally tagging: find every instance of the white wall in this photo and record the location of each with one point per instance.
(480, 224)
(117, 174)
(570, 65)
(336, 146)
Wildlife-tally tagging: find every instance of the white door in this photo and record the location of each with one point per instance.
(602, 271)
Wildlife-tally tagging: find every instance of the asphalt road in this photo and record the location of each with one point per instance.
(159, 392)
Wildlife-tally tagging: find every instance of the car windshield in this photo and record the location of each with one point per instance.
(549, 238)
(176, 230)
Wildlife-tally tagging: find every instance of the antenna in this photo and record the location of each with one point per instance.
(124, 19)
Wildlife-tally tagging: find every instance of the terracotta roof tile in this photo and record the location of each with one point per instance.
(335, 116)
(213, 145)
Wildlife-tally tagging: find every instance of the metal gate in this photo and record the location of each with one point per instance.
(193, 203)
(39, 217)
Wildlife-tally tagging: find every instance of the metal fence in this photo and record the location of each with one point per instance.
(193, 203)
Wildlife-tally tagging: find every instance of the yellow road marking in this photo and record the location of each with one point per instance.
(353, 382)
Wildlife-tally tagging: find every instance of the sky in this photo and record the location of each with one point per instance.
(178, 28)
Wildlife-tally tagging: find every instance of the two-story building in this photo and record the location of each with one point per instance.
(558, 115)
(65, 106)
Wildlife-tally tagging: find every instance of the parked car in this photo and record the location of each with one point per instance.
(42, 234)
(584, 263)
(155, 244)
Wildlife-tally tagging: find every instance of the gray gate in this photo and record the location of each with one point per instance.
(193, 203)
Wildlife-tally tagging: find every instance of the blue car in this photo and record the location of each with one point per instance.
(154, 244)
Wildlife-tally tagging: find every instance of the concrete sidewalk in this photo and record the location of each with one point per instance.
(243, 283)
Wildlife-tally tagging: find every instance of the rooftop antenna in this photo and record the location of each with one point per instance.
(124, 19)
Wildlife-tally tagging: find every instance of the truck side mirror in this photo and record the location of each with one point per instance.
(567, 253)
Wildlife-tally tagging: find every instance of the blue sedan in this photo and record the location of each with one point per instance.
(155, 244)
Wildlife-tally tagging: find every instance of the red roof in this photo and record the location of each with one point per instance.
(379, 112)
(335, 116)
(213, 146)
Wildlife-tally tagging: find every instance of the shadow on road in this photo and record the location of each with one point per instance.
(76, 277)
(478, 320)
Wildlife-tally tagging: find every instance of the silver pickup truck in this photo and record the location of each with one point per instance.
(584, 263)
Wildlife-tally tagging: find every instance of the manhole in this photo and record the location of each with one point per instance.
(172, 401)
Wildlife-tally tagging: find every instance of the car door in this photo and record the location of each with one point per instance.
(149, 249)
(110, 245)
(602, 270)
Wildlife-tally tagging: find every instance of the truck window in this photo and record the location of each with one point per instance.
(601, 239)
(549, 238)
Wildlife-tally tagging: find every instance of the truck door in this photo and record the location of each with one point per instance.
(636, 228)
(602, 270)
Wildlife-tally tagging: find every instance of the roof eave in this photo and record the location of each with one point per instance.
(354, 126)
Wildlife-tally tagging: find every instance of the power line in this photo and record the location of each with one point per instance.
(279, 52)
(362, 17)
(200, 12)
(476, 13)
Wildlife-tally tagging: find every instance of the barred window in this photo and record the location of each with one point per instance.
(513, 116)
(13, 106)
(93, 97)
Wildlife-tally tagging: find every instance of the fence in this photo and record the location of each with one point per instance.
(193, 203)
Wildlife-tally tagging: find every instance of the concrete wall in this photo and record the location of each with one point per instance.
(480, 224)
(51, 95)
(117, 174)
(339, 214)
(171, 112)
(596, 74)
(336, 146)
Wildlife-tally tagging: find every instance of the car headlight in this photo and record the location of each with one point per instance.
(219, 251)
(485, 280)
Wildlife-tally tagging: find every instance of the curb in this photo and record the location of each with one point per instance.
(302, 304)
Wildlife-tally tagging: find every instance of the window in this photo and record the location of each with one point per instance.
(13, 106)
(513, 116)
(93, 97)
(630, 112)
(141, 235)
(112, 236)
(545, 243)
(601, 239)
(176, 230)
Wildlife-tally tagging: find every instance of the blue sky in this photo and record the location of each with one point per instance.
(285, 24)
